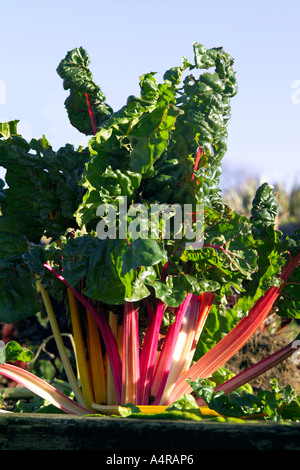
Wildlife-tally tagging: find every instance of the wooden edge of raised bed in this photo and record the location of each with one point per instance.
(67, 432)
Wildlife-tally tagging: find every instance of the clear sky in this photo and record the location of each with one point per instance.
(126, 39)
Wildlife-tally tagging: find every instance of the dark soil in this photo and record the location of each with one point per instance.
(261, 345)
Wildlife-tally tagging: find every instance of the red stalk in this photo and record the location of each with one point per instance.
(92, 117)
(148, 354)
(198, 156)
(130, 356)
(256, 370)
(235, 339)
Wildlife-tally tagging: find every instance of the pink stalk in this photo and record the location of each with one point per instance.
(235, 339)
(42, 389)
(256, 370)
(192, 326)
(92, 117)
(108, 337)
(130, 355)
(148, 354)
(162, 369)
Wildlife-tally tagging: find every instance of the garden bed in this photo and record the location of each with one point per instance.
(142, 315)
(57, 432)
(257, 348)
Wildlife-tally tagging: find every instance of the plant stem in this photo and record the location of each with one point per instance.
(130, 356)
(162, 369)
(105, 329)
(207, 299)
(111, 390)
(43, 389)
(91, 114)
(194, 321)
(83, 368)
(198, 156)
(96, 360)
(149, 351)
(60, 345)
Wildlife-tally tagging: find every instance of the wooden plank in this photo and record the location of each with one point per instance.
(66, 432)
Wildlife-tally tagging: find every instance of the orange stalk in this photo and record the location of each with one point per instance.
(96, 360)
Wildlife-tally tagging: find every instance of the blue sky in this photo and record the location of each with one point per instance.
(126, 39)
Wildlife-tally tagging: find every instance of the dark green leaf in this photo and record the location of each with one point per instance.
(264, 209)
(77, 77)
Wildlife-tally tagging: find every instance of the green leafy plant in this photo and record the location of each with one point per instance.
(148, 313)
(276, 404)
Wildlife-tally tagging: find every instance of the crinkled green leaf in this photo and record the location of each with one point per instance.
(237, 405)
(276, 404)
(77, 78)
(143, 252)
(76, 254)
(106, 280)
(185, 402)
(43, 191)
(150, 137)
(229, 254)
(264, 209)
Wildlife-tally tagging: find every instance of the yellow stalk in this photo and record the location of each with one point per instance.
(60, 345)
(111, 393)
(96, 360)
(149, 409)
(83, 367)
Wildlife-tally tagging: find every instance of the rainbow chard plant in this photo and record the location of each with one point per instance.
(132, 237)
